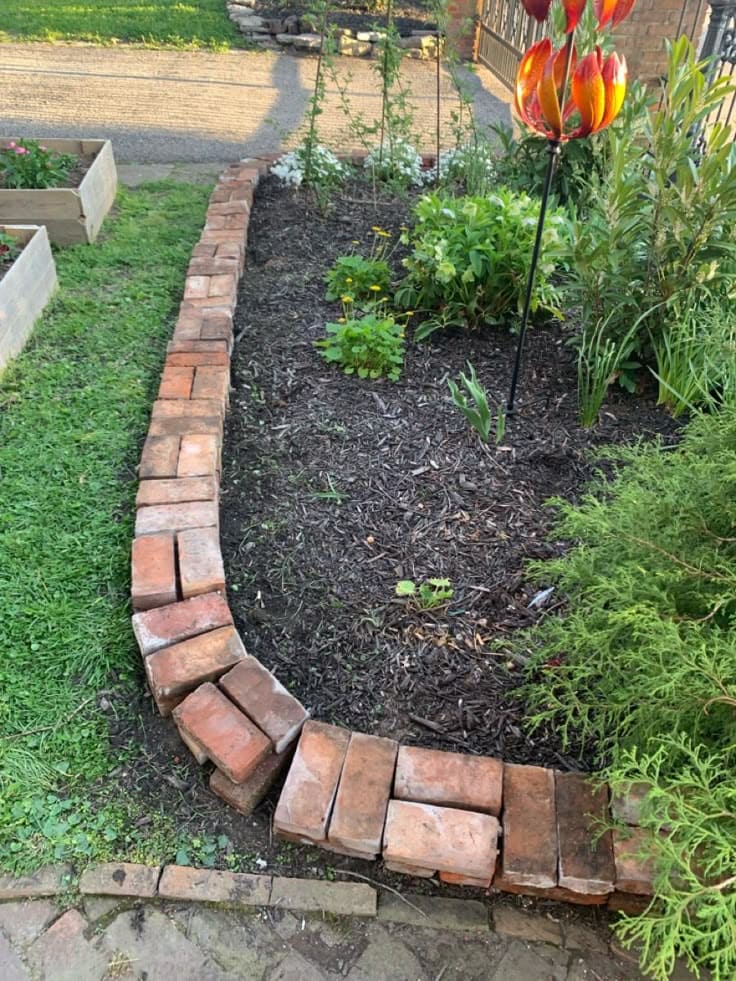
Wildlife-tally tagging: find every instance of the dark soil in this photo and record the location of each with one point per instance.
(334, 489)
(406, 17)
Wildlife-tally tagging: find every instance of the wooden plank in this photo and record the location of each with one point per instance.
(98, 190)
(25, 290)
(55, 143)
(37, 206)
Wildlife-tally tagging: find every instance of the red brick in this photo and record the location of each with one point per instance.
(120, 879)
(176, 517)
(159, 457)
(229, 208)
(246, 796)
(529, 826)
(186, 332)
(214, 221)
(171, 624)
(558, 895)
(212, 384)
(428, 776)
(453, 879)
(176, 383)
(181, 882)
(218, 195)
(228, 737)
(190, 408)
(628, 903)
(175, 671)
(223, 285)
(190, 425)
(196, 347)
(212, 267)
(224, 236)
(202, 249)
(627, 806)
(182, 490)
(585, 854)
(362, 797)
(217, 330)
(231, 250)
(199, 455)
(153, 571)
(633, 873)
(200, 561)
(265, 700)
(196, 358)
(309, 791)
(237, 222)
(242, 194)
(444, 838)
(199, 754)
(404, 869)
(196, 286)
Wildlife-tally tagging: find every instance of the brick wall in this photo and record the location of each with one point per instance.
(641, 36)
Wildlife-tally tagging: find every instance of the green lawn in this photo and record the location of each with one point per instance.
(193, 24)
(73, 413)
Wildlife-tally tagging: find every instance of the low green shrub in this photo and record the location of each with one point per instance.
(360, 278)
(470, 259)
(28, 164)
(371, 346)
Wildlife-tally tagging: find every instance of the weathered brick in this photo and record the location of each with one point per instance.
(265, 700)
(224, 284)
(313, 896)
(159, 457)
(196, 347)
(427, 776)
(227, 736)
(362, 797)
(171, 624)
(46, 881)
(229, 208)
(224, 236)
(309, 791)
(585, 853)
(246, 796)
(195, 286)
(529, 826)
(201, 569)
(197, 751)
(189, 425)
(175, 671)
(628, 903)
(197, 358)
(181, 882)
(453, 879)
(176, 383)
(176, 517)
(191, 408)
(174, 490)
(120, 879)
(152, 571)
(627, 806)
(231, 250)
(202, 249)
(198, 455)
(444, 838)
(555, 893)
(212, 383)
(212, 267)
(218, 330)
(403, 868)
(634, 873)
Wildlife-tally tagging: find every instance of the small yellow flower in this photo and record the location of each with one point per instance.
(375, 288)
(409, 313)
(384, 299)
(383, 234)
(356, 241)
(346, 298)
(376, 228)
(341, 320)
(349, 279)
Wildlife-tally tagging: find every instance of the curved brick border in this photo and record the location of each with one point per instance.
(423, 811)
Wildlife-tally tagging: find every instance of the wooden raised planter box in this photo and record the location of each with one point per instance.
(25, 289)
(71, 214)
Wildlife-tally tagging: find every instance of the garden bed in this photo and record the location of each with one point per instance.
(73, 212)
(334, 489)
(27, 283)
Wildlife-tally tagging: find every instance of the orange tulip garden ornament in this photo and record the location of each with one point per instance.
(597, 87)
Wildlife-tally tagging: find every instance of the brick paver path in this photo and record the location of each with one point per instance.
(162, 106)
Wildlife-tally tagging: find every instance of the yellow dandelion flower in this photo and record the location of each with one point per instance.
(356, 241)
(341, 320)
(384, 299)
(376, 229)
(349, 279)
(383, 234)
(346, 298)
(375, 288)
(409, 313)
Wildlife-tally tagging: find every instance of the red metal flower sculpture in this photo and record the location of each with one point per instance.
(597, 87)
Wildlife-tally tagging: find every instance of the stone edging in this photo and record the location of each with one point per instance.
(474, 820)
(300, 34)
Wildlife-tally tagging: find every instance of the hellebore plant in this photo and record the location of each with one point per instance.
(562, 97)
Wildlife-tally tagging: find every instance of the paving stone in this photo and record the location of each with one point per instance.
(175, 671)
(99, 907)
(626, 807)
(386, 958)
(442, 837)
(160, 518)
(176, 622)
(266, 701)
(312, 895)
(177, 490)
(201, 569)
(633, 873)
(242, 944)
(159, 457)
(11, 966)
(63, 953)
(585, 853)
(212, 886)
(226, 735)
(429, 776)
(22, 922)
(529, 826)
(581, 937)
(246, 796)
(152, 571)
(435, 912)
(309, 791)
(47, 881)
(363, 792)
(534, 927)
(524, 963)
(198, 455)
(120, 879)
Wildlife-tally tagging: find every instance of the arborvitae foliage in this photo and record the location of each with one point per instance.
(643, 666)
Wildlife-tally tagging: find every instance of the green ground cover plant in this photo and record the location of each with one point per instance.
(643, 667)
(73, 413)
(155, 23)
(29, 164)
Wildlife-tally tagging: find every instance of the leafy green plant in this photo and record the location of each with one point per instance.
(371, 346)
(364, 279)
(470, 259)
(9, 249)
(428, 594)
(477, 411)
(28, 164)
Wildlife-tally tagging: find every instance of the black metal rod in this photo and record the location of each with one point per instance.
(553, 148)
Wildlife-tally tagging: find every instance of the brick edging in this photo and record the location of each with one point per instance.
(476, 821)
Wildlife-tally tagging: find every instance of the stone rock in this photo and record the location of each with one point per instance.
(372, 36)
(285, 39)
(353, 48)
(308, 42)
(275, 25)
(291, 24)
(526, 926)
(251, 24)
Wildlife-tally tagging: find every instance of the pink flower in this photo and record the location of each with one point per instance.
(21, 150)
(44, 148)
(12, 145)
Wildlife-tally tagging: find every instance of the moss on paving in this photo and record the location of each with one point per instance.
(155, 23)
(73, 413)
